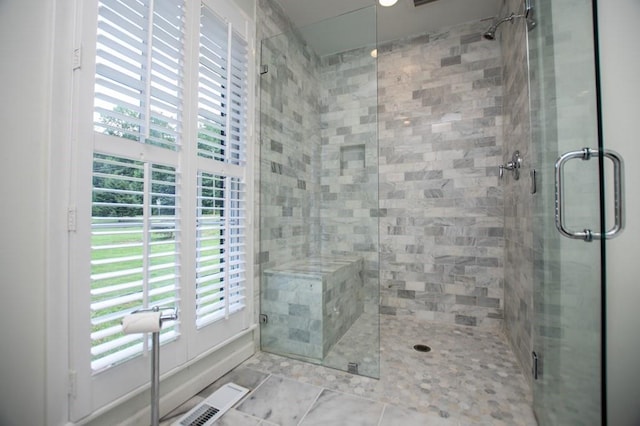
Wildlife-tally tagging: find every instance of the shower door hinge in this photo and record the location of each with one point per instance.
(77, 59)
(72, 385)
(263, 319)
(264, 69)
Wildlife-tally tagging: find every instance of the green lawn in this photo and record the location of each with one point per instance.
(117, 270)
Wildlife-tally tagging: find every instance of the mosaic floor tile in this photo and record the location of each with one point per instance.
(469, 378)
(394, 416)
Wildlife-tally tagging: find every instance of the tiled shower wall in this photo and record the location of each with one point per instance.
(318, 164)
(441, 204)
(283, 170)
(519, 255)
(289, 141)
(442, 230)
(349, 173)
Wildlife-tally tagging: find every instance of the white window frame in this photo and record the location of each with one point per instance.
(94, 393)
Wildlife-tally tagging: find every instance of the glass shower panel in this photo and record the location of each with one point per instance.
(319, 194)
(567, 329)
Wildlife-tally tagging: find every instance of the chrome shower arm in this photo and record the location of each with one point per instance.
(527, 14)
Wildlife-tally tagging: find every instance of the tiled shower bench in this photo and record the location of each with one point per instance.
(310, 304)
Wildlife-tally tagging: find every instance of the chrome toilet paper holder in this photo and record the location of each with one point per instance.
(163, 317)
(155, 358)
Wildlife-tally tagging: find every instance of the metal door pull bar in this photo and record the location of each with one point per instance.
(587, 234)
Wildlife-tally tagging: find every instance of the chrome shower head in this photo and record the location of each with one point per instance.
(490, 34)
(527, 14)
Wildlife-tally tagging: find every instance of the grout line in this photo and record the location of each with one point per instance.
(311, 405)
(247, 396)
(355, 395)
(384, 409)
(242, 413)
(252, 391)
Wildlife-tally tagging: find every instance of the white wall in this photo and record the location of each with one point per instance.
(620, 62)
(25, 29)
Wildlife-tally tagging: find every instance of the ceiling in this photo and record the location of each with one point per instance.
(395, 22)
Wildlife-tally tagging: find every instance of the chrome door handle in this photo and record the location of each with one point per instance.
(587, 234)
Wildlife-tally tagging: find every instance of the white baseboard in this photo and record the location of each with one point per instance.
(178, 395)
(181, 386)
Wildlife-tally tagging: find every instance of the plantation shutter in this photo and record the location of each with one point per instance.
(139, 70)
(220, 270)
(221, 193)
(222, 91)
(163, 183)
(135, 233)
(238, 96)
(134, 245)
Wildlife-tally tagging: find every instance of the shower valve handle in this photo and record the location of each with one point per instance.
(513, 165)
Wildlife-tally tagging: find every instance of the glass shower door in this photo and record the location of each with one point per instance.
(319, 194)
(568, 356)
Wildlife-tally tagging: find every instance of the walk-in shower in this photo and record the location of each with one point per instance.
(458, 245)
(319, 193)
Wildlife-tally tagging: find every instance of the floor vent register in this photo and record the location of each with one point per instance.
(212, 408)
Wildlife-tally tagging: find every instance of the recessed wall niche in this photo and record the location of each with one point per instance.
(351, 158)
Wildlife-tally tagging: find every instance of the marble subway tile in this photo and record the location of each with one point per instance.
(438, 106)
(518, 227)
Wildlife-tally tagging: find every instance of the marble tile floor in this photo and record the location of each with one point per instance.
(470, 377)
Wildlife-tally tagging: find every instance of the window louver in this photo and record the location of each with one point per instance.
(134, 251)
(138, 83)
(220, 252)
(222, 91)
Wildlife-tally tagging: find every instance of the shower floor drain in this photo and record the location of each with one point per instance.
(422, 348)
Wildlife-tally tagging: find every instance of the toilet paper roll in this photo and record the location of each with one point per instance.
(141, 322)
